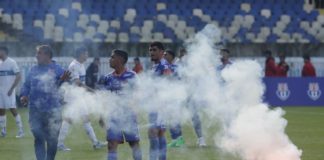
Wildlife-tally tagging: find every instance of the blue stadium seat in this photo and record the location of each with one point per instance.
(220, 11)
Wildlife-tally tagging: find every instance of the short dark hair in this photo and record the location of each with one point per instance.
(225, 50)
(267, 53)
(122, 54)
(183, 50)
(306, 56)
(47, 49)
(171, 53)
(159, 45)
(80, 51)
(136, 59)
(96, 59)
(4, 48)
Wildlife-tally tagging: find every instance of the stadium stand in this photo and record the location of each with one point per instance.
(243, 21)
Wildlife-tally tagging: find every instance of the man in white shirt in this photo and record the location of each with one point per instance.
(78, 72)
(9, 79)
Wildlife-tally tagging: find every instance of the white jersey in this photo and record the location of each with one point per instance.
(8, 71)
(77, 71)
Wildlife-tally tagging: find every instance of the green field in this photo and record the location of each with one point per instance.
(305, 129)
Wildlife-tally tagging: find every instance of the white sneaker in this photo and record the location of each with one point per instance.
(62, 147)
(20, 134)
(201, 142)
(99, 145)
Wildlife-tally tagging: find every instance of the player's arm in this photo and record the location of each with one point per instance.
(65, 75)
(14, 85)
(76, 80)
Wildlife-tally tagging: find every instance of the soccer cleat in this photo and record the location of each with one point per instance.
(172, 144)
(180, 142)
(201, 142)
(20, 134)
(3, 132)
(62, 147)
(99, 145)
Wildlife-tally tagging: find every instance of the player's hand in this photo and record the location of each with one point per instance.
(66, 76)
(10, 92)
(24, 100)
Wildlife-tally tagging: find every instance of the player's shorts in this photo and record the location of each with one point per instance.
(155, 122)
(123, 128)
(6, 101)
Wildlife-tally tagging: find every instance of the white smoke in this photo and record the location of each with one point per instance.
(231, 97)
(249, 128)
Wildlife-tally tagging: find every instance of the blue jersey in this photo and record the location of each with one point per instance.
(222, 66)
(173, 68)
(161, 68)
(42, 86)
(115, 83)
(123, 127)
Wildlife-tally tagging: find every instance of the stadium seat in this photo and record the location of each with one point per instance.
(179, 19)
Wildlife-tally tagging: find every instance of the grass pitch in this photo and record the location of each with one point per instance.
(305, 128)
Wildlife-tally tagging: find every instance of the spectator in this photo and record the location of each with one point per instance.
(92, 73)
(270, 65)
(138, 68)
(283, 67)
(308, 68)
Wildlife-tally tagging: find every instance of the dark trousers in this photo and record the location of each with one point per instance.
(45, 126)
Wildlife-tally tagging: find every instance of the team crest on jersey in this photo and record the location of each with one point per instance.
(314, 91)
(283, 91)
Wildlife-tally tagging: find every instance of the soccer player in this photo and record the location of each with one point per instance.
(157, 129)
(78, 71)
(175, 129)
(41, 92)
(9, 79)
(123, 122)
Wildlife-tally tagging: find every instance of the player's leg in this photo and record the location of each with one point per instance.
(91, 134)
(162, 144)
(52, 132)
(153, 133)
(37, 128)
(114, 136)
(3, 118)
(137, 153)
(19, 124)
(197, 126)
(132, 136)
(3, 121)
(176, 135)
(64, 130)
(112, 150)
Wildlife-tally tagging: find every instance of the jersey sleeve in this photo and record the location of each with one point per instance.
(74, 72)
(15, 67)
